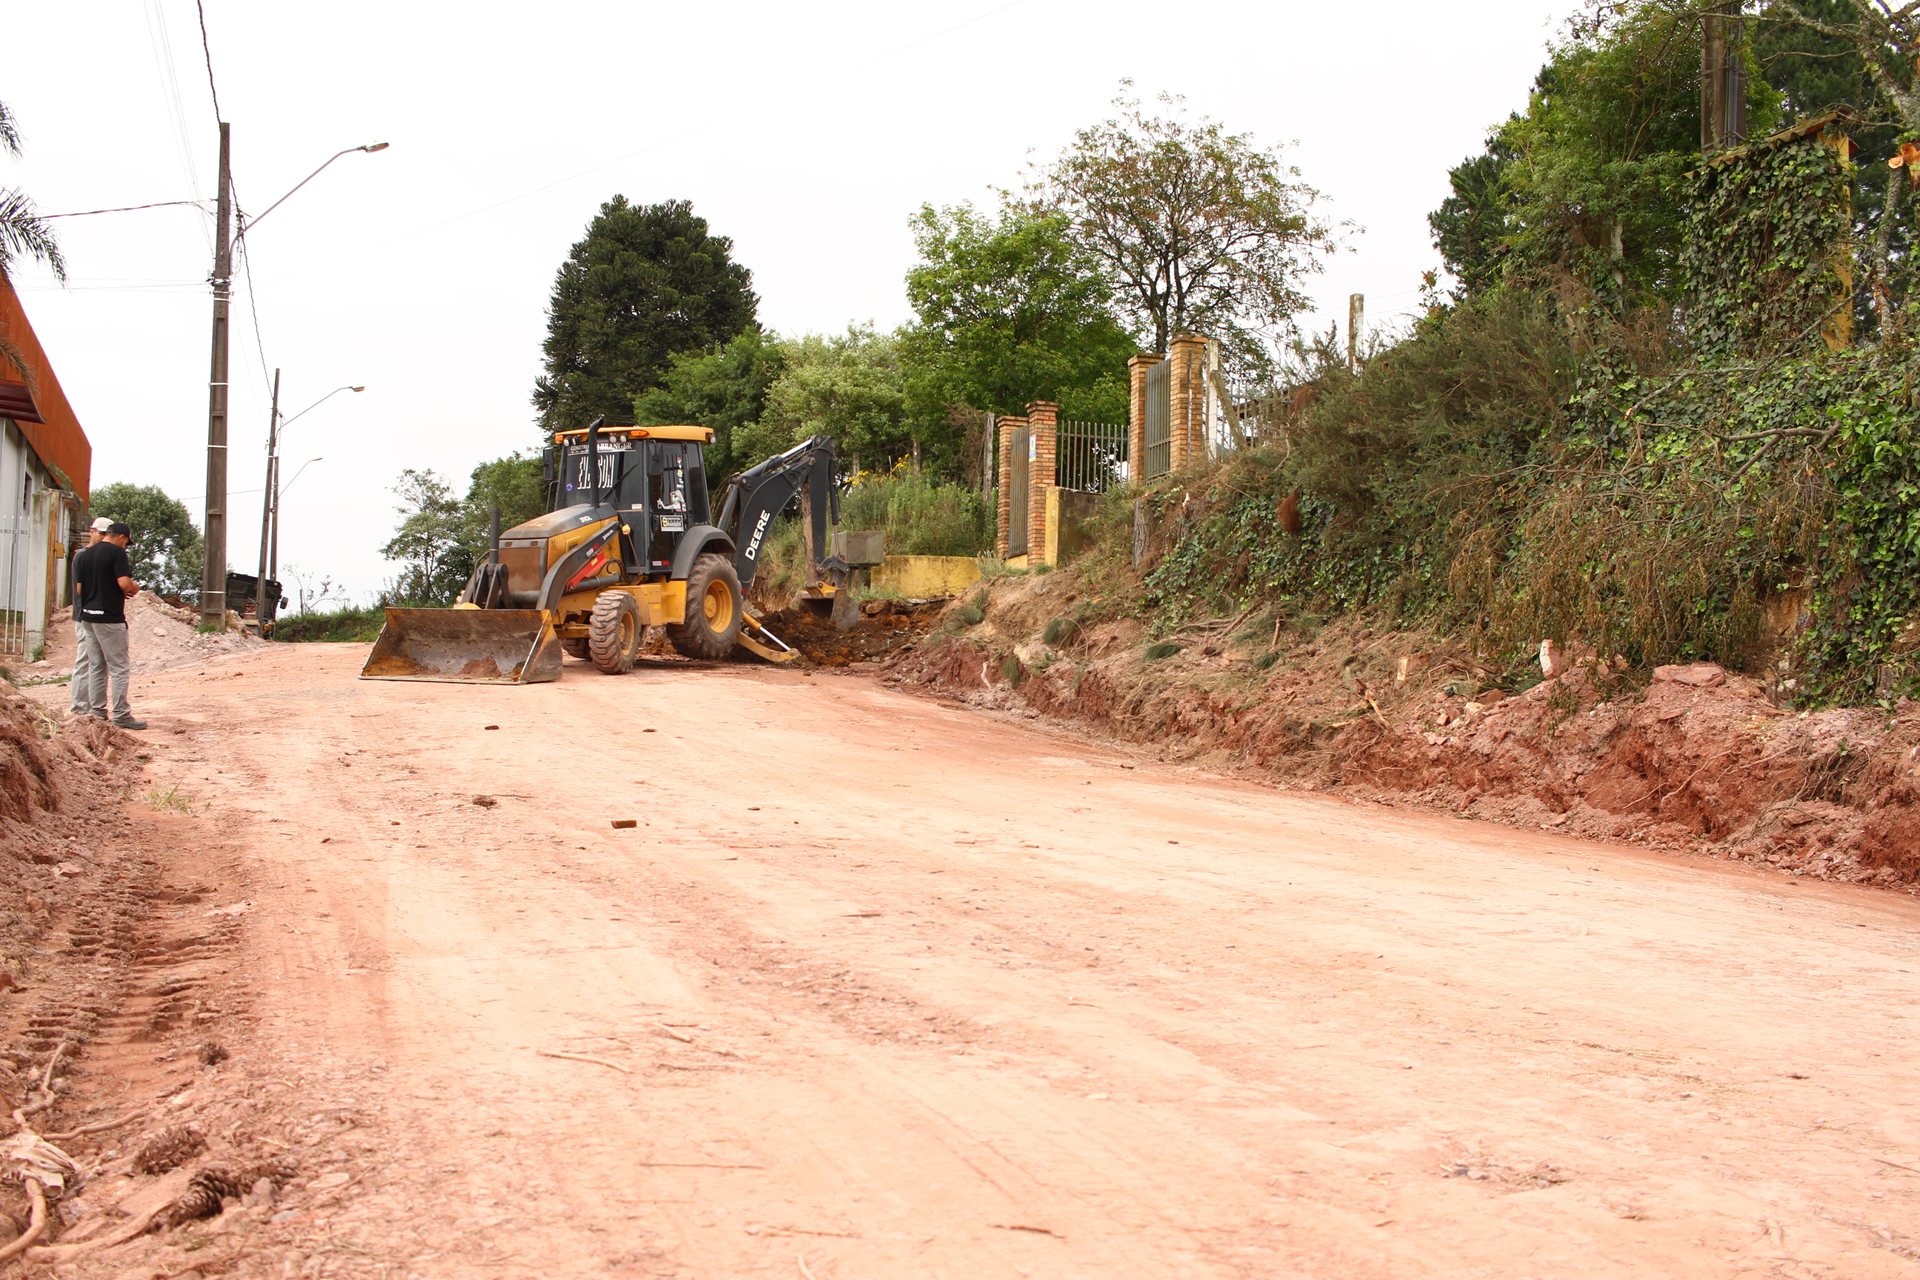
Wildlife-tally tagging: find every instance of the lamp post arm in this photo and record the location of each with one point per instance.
(254, 222)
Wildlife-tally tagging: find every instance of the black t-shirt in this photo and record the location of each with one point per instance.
(96, 576)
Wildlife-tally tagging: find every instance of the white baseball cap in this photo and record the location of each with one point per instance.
(102, 524)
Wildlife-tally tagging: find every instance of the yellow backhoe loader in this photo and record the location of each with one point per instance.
(629, 543)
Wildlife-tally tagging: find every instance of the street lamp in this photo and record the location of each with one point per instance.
(270, 503)
(289, 485)
(369, 148)
(213, 570)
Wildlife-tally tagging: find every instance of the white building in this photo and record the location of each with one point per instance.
(45, 463)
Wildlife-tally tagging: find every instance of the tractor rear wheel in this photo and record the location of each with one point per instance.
(613, 634)
(714, 609)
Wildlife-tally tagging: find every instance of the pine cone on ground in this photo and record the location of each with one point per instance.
(207, 1188)
(169, 1149)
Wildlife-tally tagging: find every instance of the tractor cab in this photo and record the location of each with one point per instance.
(654, 477)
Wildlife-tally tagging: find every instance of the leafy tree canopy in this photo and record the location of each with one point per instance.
(514, 484)
(1010, 311)
(1198, 228)
(434, 562)
(646, 283)
(1587, 183)
(724, 387)
(850, 387)
(165, 550)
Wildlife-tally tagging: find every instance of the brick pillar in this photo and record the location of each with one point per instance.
(1043, 418)
(1185, 354)
(1005, 516)
(1137, 414)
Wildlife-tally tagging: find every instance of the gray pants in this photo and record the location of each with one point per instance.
(80, 688)
(108, 666)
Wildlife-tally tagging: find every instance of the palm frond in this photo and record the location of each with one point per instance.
(24, 234)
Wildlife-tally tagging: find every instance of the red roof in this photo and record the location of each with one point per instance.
(33, 399)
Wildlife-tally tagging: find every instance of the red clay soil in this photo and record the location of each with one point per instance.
(715, 970)
(1694, 758)
(885, 628)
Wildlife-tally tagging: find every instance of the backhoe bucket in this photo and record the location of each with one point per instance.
(465, 646)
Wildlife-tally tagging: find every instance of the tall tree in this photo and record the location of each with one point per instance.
(1587, 183)
(1473, 225)
(165, 549)
(1198, 228)
(1011, 311)
(645, 283)
(434, 560)
(22, 231)
(724, 388)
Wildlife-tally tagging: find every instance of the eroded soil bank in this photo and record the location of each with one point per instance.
(1692, 758)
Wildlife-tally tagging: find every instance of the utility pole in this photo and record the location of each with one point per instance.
(213, 572)
(267, 505)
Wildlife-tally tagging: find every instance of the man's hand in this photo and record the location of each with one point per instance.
(129, 588)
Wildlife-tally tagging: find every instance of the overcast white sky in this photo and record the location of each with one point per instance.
(807, 133)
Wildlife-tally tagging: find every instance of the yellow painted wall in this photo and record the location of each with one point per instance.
(923, 577)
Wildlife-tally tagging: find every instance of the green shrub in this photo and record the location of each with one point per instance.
(920, 516)
(1165, 649)
(339, 627)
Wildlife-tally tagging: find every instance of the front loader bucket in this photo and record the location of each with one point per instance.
(465, 646)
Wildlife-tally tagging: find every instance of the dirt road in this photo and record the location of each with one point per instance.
(882, 988)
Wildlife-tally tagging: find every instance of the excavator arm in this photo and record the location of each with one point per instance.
(755, 498)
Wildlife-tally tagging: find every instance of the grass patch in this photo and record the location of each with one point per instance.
(343, 626)
(172, 800)
(1012, 672)
(1165, 649)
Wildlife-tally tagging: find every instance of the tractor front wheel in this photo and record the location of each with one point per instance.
(613, 635)
(714, 609)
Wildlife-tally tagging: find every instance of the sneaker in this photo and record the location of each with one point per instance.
(129, 723)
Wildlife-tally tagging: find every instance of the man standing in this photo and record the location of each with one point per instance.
(80, 687)
(103, 575)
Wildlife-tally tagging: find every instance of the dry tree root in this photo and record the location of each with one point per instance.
(581, 1057)
(60, 1252)
(35, 1226)
(103, 1126)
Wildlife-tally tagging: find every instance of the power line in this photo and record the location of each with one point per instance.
(127, 208)
(246, 266)
(207, 51)
(166, 67)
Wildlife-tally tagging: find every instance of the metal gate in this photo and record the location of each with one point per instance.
(1019, 470)
(1159, 406)
(1092, 456)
